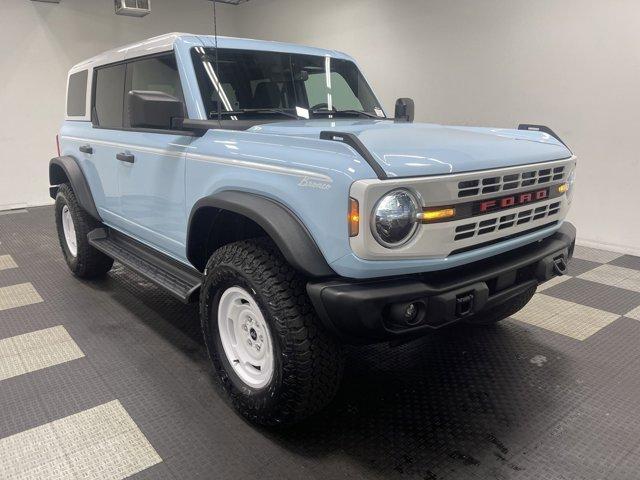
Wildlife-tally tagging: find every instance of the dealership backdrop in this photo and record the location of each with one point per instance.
(570, 64)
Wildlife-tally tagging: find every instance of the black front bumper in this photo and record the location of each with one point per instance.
(365, 311)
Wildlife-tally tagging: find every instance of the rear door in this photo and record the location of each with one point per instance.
(98, 149)
(151, 172)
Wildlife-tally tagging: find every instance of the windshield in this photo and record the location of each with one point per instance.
(251, 84)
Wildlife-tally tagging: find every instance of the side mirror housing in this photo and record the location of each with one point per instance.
(151, 109)
(405, 110)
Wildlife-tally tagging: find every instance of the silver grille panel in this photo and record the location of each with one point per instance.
(506, 221)
(512, 181)
(440, 239)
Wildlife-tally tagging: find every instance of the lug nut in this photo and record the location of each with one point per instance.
(257, 347)
(245, 328)
(249, 342)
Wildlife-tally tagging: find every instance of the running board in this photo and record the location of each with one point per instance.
(179, 280)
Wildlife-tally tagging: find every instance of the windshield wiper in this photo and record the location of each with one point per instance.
(347, 111)
(260, 110)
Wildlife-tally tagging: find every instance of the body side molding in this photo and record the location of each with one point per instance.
(66, 168)
(280, 223)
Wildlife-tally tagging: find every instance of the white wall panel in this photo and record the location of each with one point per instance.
(40, 42)
(570, 64)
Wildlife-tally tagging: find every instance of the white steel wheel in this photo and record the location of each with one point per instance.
(245, 337)
(69, 231)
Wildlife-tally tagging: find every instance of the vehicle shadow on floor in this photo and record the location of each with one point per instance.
(462, 401)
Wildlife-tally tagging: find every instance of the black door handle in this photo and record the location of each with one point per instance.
(86, 149)
(126, 157)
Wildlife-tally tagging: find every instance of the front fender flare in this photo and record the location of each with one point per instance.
(280, 223)
(66, 169)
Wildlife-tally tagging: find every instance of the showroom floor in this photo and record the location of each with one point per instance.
(110, 379)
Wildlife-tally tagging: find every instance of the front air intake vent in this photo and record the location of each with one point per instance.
(133, 8)
(482, 186)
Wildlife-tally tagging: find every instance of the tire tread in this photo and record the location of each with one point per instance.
(313, 366)
(89, 262)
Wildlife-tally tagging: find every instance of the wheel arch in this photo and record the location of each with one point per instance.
(66, 169)
(256, 214)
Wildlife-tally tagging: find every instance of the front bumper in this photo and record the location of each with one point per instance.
(366, 311)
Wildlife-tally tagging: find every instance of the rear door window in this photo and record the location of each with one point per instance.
(108, 104)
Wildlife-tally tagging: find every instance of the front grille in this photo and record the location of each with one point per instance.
(500, 183)
(475, 229)
(502, 239)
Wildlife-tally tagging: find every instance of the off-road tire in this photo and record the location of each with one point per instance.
(89, 262)
(503, 310)
(307, 361)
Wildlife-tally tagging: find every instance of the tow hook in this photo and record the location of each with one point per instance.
(464, 305)
(560, 265)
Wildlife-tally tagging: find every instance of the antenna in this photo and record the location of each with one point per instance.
(215, 39)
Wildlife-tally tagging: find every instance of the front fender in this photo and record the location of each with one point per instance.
(280, 223)
(66, 169)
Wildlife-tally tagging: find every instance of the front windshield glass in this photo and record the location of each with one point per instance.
(251, 84)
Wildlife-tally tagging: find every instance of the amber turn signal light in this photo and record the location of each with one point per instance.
(563, 188)
(354, 217)
(440, 214)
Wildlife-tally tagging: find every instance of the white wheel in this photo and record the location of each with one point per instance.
(69, 231)
(245, 337)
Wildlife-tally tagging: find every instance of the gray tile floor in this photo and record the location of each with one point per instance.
(551, 394)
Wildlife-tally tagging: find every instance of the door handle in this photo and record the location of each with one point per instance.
(126, 157)
(86, 149)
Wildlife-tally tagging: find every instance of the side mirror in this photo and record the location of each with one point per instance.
(405, 110)
(151, 109)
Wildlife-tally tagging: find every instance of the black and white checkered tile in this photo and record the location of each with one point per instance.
(98, 442)
(600, 287)
(110, 379)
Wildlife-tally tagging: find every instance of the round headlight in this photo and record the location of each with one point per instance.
(394, 219)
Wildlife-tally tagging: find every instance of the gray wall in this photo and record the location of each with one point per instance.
(40, 42)
(571, 64)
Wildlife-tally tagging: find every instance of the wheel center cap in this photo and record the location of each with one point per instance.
(254, 335)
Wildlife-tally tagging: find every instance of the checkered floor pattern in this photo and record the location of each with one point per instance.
(109, 380)
(599, 288)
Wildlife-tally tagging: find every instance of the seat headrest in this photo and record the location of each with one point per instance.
(267, 95)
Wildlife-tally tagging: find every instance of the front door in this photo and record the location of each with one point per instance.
(151, 185)
(151, 170)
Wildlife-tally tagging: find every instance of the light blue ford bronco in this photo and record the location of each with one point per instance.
(265, 181)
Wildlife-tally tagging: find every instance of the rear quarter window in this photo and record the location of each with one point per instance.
(77, 94)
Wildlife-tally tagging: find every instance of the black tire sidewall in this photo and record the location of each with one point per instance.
(262, 398)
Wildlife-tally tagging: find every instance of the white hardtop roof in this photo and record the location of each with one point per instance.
(166, 42)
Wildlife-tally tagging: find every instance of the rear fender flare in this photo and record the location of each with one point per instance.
(66, 169)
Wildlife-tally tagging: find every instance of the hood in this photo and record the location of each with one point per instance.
(418, 149)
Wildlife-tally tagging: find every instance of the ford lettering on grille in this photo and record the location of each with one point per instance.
(510, 201)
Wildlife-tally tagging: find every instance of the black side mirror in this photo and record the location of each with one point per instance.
(151, 109)
(405, 110)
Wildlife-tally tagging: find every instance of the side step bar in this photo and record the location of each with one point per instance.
(179, 280)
